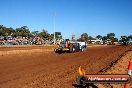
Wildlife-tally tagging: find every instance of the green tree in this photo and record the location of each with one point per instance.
(9, 31)
(22, 31)
(2, 27)
(115, 40)
(91, 38)
(35, 33)
(58, 35)
(44, 34)
(104, 38)
(130, 37)
(2, 32)
(110, 35)
(99, 36)
(84, 37)
(51, 36)
(124, 40)
(6, 31)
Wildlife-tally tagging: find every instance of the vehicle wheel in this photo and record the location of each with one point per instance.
(60, 52)
(72, 50)
(83, 49)
(55, 50)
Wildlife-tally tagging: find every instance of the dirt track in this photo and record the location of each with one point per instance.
(50, 70)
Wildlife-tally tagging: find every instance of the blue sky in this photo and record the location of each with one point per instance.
(72, 16)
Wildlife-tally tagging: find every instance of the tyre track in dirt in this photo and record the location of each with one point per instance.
(120, 66)
(52, 70)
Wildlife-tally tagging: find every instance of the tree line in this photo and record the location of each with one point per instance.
(25, 32)
(111, 36)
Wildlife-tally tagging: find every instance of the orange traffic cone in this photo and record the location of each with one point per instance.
(129, 72)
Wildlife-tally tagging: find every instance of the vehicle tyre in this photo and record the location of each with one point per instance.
(59, 52)
(83, 49)
(55, 50)
(72, 50)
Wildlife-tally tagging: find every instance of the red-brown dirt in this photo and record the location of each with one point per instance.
(120, 67)
(51, 70)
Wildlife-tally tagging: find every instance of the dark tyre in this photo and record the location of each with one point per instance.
(83, 49)
(59, 52)
(55, 50)
(72, 50)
